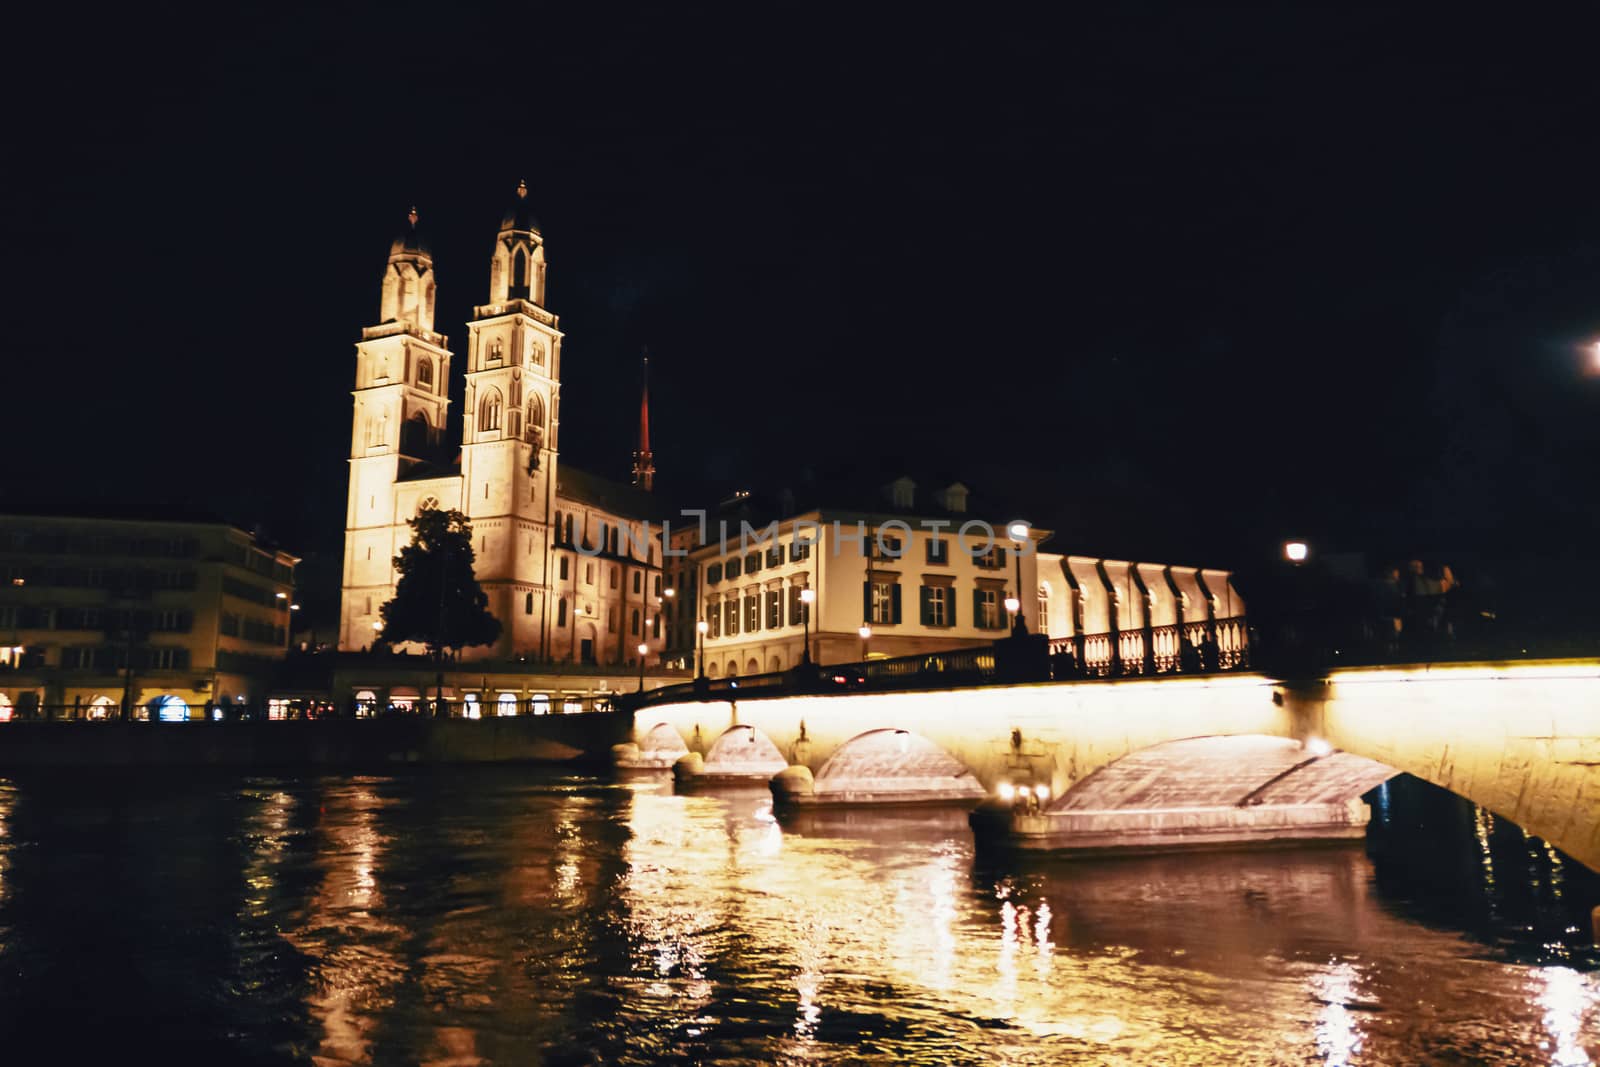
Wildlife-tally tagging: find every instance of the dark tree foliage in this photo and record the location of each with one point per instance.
(438, 602)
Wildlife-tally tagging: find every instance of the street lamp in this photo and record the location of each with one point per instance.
(808, 596)
(702, 627)
(643, 649)
(1018, 532)
(1296, 551)
(866, 635)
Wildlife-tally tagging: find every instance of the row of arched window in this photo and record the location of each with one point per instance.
(491, 410)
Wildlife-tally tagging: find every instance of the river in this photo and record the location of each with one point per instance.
(516, 916)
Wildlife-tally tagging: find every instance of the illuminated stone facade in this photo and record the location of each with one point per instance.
(564, 556)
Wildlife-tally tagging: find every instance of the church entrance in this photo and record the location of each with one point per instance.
(586, 650)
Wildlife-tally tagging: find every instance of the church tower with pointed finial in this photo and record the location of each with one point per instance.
(571, 562)
(508, 452)
(401, 404)
(644, 466)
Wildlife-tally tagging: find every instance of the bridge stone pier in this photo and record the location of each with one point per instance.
(1169, 763)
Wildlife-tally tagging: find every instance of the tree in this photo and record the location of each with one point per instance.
(438, 602)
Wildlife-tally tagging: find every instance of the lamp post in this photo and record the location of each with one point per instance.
(1018, 531)
(643, 649)
(808, 596)
(866, 635)
(701, 627)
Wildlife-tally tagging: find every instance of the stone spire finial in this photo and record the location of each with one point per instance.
(522, 190)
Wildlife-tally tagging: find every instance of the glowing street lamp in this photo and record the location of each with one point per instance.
(866, 635)
(1018, 532)
(808, 596)
(1296, 551)
(702, 627)
(643, 650)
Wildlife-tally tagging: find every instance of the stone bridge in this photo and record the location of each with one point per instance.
(1178, 761)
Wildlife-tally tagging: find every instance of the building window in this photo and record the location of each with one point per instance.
(489, 410)
(734, 568)
(992, 560)
(714, 619)
(588, 574)
(561, 612)
(562, 568)
(638, 580)
(884, 603)
(714, 574)
(936, 605)
(886, 547)
(616, 576)
(752, 613)
(424, 371)
(799, 549)
(938, 550)
(752, 562)
(797, 607)
(527, 604)
(774, 609)
(730, 615)
(658, 585)
(497, 351)
(1044, 609)
(611, 620)
(633, 623)
(986, 609)
(775, 556)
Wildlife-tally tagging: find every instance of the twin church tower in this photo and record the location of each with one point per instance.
(530, 513)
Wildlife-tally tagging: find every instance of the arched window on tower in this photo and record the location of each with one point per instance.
(489, 410)
(424, 372)
(497, 351)
(414, 436)
(535, 419)
(429, 305)
(519, 272)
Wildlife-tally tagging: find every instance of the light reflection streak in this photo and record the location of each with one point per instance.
(1566, 997)
(1338, 1035)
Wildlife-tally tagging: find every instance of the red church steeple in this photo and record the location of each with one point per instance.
(644, 468)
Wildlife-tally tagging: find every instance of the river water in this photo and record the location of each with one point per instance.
(512, 916)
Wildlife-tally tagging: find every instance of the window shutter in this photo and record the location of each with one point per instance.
(977, 608)
(895, 601)
(927, 606)
(866, 600)
(950, 606)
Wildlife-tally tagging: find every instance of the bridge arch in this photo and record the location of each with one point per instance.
(743, 750)
(893, 765)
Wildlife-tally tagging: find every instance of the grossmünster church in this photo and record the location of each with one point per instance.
(530, 511)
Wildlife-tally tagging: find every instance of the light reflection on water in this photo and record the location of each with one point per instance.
(509, 916)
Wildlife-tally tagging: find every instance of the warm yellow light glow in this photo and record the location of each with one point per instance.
(1318, 747)
(377, 627)
(865, 631)
(808, 596)
(1007, 791)
(282, 596)
(1018, 531)
(1012, 604)
(702, 626)
(1577, 670)
(1295, 551)
(1042, 791)
(643, 648)
(669, 592)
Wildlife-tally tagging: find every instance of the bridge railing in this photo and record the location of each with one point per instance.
(1187, 648)
(1200, 647)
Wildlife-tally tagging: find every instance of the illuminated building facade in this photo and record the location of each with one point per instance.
(920, 573)
(569, 566)
(177, 615)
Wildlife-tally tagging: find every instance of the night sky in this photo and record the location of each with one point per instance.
(1178, 282)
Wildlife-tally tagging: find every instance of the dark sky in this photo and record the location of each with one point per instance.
(1176, 279)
